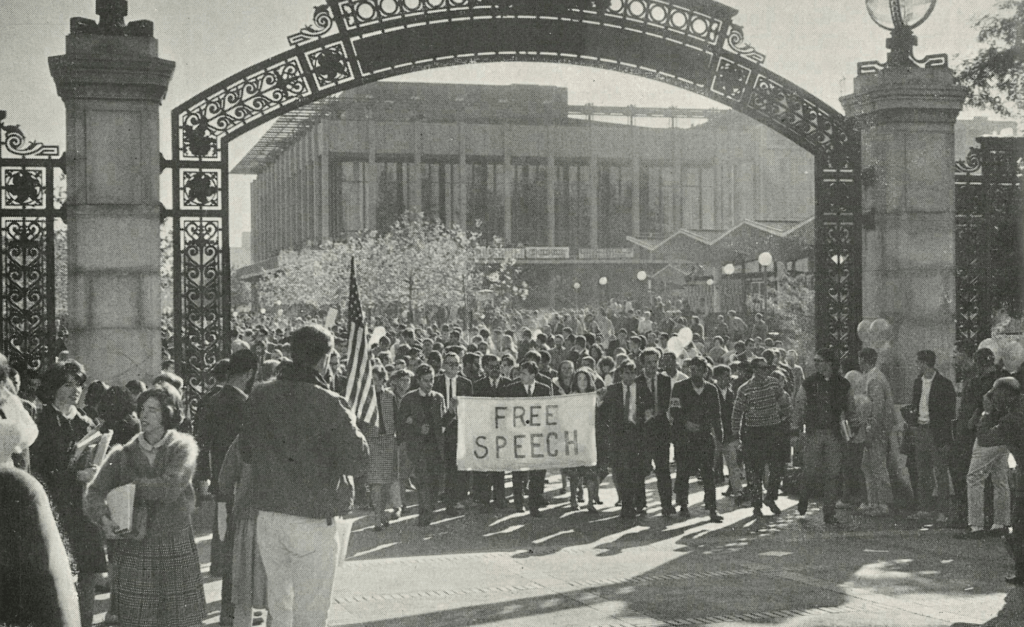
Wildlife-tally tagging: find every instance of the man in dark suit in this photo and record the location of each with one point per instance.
(658, 431)
(219, 422)
(531, 481)
(930, 418)
(489, 487)
(452, 385)
(626, 406)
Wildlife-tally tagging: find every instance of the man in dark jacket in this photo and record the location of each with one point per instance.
(489, 487)
(1009, 427)
(218, 423)
(828, 403)
(696, 411)
(420, 427)
(930, 418)
(625, 407)
(658, 431)
(530, 481)
(303, 444)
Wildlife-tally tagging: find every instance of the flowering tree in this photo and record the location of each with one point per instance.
(414, 265)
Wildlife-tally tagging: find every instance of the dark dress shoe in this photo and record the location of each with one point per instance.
(714, 517)
(801, 507)
(627, 513)
(423, 521)
(775, 508)
(519, 508)
(535, 513)
(667, 511)
(684, 513)
(758, 513)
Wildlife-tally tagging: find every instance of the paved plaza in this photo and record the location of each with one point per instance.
(588, 570)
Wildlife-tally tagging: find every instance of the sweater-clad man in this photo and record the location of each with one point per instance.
(828, 402)
(930, 417)
(696, 411)
(303, 444)
(761, 418)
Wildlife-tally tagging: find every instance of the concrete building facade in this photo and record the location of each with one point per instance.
(520, 164)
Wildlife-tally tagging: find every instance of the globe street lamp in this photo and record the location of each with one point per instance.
(764, 260)
(642, 276)
(603, 282)
(576, 291)
(900, 17)
(728, 269)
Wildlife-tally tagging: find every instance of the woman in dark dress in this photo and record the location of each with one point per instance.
(61, 426)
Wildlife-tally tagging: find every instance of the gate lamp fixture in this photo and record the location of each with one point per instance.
(900, 17)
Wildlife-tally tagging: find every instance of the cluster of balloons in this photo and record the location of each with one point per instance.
(876, 334)
(678, 343)
(1006, 348)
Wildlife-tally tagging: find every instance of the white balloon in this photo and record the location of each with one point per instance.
(993, 346)
(685, 336)
(377, 334)
(1013, 356)
(675, 346)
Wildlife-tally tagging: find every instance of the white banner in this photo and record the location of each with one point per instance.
(538, 433)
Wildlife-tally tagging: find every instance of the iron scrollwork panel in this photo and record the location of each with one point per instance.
(202, 281)
(28, 213)
(838, 252)
(988, 237)
(26, 277)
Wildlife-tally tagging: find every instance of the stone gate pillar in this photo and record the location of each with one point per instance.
(906, 116)
(112, 83)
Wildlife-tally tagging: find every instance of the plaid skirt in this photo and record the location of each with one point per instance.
(159, 582)
(383, 459)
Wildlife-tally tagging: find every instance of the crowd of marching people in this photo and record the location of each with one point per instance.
(677, 396)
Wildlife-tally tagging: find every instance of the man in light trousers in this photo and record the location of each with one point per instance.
(878, 426)
(303, 444)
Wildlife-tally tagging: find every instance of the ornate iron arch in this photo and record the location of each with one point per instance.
(692, 44)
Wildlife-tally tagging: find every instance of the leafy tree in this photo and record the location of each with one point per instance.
(995, 73)
(415, 264)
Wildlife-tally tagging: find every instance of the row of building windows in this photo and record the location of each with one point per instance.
(660, 207)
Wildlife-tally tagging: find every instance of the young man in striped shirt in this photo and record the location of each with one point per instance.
(760, 416)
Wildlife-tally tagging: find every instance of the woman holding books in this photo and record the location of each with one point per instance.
(64, 468)
(157, 564)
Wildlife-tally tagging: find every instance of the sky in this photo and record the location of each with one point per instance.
(814, 43)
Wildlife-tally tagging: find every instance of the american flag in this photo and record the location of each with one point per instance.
(360, 383)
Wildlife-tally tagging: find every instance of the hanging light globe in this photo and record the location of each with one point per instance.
(893, 14)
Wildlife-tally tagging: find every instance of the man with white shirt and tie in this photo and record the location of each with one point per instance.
(658, 431)
(531, 481)
(626, 406)
(452, 386)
